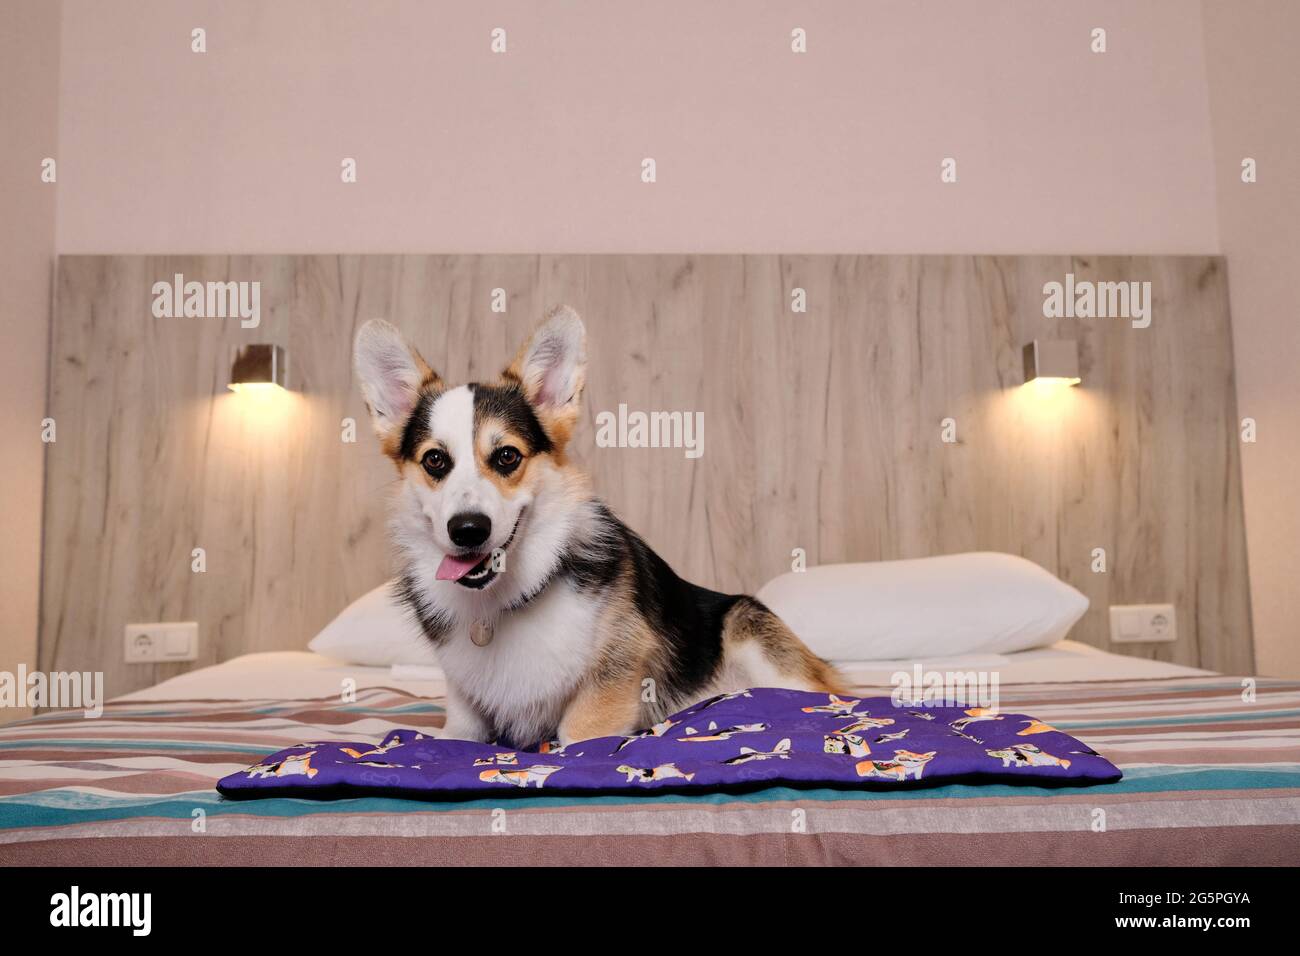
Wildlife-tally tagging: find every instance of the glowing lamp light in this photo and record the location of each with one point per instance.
(1050, 365)
(259, 368)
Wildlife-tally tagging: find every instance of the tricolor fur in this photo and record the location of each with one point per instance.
(496, 530)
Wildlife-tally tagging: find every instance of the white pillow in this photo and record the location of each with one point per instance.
(375, 629)
(982, 602)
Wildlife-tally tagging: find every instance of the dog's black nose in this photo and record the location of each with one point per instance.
(469, 529)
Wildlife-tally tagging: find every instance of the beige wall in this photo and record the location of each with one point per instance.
(29, 90)
(1255, 106)
(539, 150)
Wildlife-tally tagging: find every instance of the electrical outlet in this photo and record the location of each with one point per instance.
(158, 643)
(1142, 623)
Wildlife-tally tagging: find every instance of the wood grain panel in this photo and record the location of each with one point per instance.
(822, 432)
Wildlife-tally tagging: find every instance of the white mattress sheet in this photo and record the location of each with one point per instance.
(302, 675)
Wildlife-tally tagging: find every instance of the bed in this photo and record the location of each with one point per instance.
(1211, 777)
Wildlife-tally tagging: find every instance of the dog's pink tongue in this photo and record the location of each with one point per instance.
(454, 568)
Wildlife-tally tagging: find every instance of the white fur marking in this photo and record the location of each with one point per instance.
(451, 421)
(523, 680)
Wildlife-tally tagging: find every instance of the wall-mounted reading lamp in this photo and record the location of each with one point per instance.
(1052, 363)
(259, 368)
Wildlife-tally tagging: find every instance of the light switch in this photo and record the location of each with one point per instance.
(176, 643)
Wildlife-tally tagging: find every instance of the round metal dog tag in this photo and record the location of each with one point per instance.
(481, 633)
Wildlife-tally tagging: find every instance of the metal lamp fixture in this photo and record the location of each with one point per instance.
(258, 367)
(1052, 362)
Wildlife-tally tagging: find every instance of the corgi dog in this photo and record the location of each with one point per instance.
(905, 762)
(1027, 755)
(836, 705)
(498, 760)
(658, 730)
(749, 754)
(726, 733)
(382, 749)
(297, 765)
(548, 615)
(554, 748)
(667, 771)
(850, 744)
(974, 715)
(866, 722)
(520, 778)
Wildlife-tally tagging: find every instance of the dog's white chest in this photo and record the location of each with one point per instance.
(522, 680)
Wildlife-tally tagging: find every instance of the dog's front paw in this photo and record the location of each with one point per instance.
(463, 721)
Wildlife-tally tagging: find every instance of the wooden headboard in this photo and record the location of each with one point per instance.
(824, 430)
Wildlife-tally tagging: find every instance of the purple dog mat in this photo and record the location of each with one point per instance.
(754, 738)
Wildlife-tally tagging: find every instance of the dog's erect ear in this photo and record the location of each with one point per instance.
(391, 373)
(551, 368)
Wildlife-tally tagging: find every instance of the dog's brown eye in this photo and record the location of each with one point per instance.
(436, 462)
(506, 459)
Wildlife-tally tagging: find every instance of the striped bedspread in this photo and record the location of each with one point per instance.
(1210, 778)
